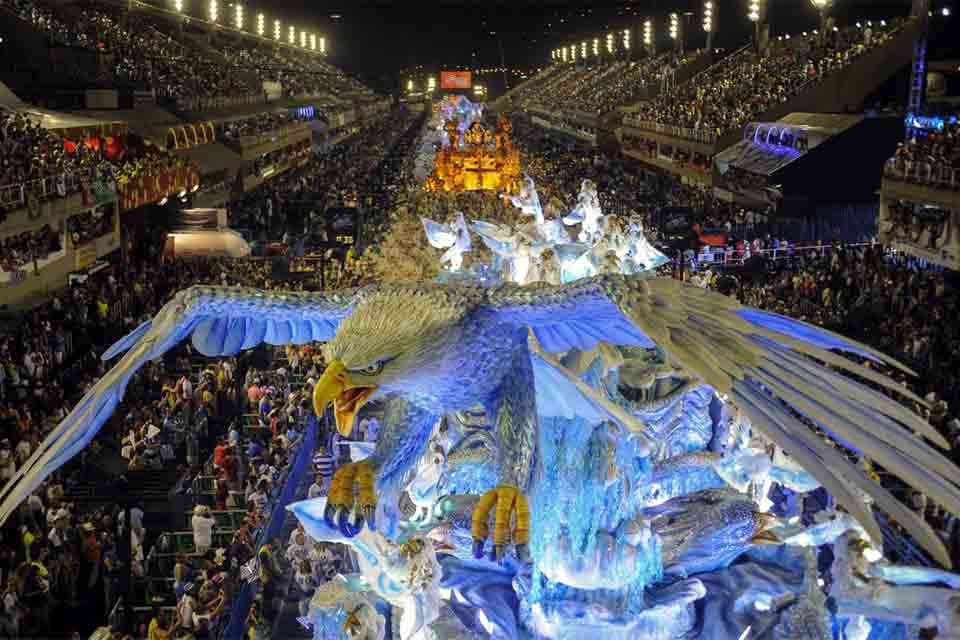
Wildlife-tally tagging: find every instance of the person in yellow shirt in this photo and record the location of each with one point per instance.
(221, 377)
(168, 396)
(158, 629)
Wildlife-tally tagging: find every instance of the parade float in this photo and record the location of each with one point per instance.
(472, 157)
(585, 450)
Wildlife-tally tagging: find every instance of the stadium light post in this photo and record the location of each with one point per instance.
(313, 42)
(753, 14)
(303, 39)
(648, 41)
(178, 6)
(238, 16)
(822, 7)
(276, 30)
(675, 32)
(709, 22)
(611, 44)
(261, 24)
(626, 42)
(323, 46)
(213, 11)
(292, 36)
(596, 47)
(583, 51)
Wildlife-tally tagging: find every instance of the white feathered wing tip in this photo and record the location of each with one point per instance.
(789, 379)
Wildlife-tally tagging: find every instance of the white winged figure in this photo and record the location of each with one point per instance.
(587, 213)
(455, 238)
(433, 349)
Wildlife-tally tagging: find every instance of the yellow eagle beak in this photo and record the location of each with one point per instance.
(335, 386)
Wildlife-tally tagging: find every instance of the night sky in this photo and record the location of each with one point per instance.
(378, 39)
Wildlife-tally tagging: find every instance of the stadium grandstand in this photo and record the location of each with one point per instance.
(321, 325)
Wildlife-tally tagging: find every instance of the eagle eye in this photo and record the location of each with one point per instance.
(371, 369)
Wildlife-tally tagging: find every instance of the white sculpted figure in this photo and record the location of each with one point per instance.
(455, 238)
(587, 214)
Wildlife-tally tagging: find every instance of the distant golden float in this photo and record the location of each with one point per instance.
(487, 161)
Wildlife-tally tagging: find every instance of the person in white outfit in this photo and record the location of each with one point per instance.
(203, 522)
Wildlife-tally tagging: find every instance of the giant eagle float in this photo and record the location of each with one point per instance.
(532, 363)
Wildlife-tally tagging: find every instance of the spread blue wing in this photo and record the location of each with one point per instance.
(223, 322)
(777, 370)
(497, 239)
(439, 235)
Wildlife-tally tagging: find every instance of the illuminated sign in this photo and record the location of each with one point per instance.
(930, 124)
(456, 80)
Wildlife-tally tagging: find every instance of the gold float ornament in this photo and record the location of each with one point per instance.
(487, 160)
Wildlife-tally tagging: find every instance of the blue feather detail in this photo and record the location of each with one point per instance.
(127, 341)
(801, 331)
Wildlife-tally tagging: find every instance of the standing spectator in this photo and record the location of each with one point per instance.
(202, 522)
(13, 609)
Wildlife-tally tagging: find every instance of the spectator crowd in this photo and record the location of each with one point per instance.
(745, 84)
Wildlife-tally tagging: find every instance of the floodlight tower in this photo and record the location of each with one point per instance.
(757, 14)
(674, 30)
(918, 72)
(648, 38)
(709, 22)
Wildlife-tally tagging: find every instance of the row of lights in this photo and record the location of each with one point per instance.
(563, 54)
(478, 89)
(307, 40)
(753, 14)
(883, 23)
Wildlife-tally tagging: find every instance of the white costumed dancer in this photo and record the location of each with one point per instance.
(455, 238)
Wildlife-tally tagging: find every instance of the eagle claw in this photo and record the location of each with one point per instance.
(509, 501)
(351, 500)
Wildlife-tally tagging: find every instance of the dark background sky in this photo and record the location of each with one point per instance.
(376, 39)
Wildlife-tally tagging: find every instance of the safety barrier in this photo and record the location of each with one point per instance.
(732, 257)
(237, 623)
(687, 133)
(273, 134)
(939, 176)
(14, 196)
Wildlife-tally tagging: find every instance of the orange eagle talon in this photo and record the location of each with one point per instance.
(509, 501)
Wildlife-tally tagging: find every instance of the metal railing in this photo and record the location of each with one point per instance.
(267, 136)
(702, 136)
(730, 256)
(198, 103)
(14, 196)
(938, 176)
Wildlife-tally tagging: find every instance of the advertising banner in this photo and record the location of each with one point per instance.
(456, 80)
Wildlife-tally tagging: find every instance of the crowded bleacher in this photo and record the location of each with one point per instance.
(744, 85)
(930, 157)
